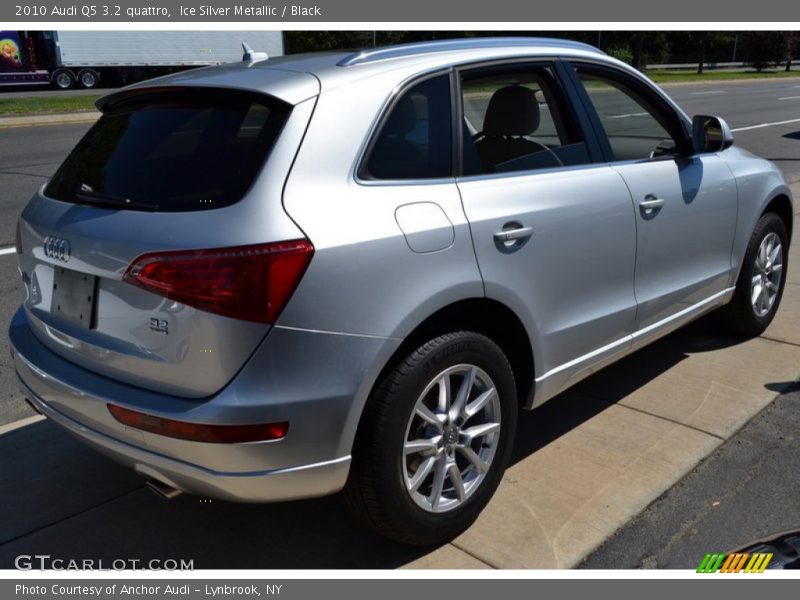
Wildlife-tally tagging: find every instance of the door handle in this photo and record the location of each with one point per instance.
(511, 235)
(650, 203)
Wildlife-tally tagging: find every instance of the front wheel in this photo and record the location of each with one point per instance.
(63, 79)
(761, 279)
(434, 440)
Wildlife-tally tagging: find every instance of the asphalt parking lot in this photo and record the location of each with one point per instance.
(586, 464)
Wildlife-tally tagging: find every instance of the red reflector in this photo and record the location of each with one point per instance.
(252, 283)
(197, 432)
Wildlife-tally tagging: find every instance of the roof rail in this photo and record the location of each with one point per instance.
(400, 50)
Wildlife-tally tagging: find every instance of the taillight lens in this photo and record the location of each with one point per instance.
(18, 239)
(252, 283)
(197, 432)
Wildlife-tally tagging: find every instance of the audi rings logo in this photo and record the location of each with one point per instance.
(56, 248)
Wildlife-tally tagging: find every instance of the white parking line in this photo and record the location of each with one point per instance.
(4, 429)
(709, 92)
(766, 125)
(10, 250)
(790, 98)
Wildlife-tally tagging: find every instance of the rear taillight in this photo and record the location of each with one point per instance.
(252, 283)
(18, 239)
(198, 432)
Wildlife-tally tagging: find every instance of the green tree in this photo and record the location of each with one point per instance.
(791, 46)
(762, 49)
(621, 52)
(638, 50)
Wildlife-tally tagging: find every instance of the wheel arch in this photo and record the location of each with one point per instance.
(489, 317)
(781, 205)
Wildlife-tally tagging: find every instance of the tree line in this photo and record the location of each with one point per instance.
(703, 49)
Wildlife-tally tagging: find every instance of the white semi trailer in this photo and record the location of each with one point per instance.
(66, 59)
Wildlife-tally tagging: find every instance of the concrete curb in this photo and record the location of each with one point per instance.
(51, 119)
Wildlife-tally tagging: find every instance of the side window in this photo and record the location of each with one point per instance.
(415, 141)
(635, 127)
(518, 119)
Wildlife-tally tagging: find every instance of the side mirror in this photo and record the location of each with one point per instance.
(710, 134)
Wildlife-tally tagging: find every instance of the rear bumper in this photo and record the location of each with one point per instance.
(258, 486)
(316, 381)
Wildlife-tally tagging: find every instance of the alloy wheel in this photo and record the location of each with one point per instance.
(451, 438)
(767, 273)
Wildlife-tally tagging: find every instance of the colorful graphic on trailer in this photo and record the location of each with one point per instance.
(10, 51)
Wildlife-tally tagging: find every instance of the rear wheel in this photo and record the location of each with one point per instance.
(434, 440)
(88, 78)
(761, 280)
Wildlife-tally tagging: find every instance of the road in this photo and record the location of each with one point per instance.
(746, 106)
(745, 492)
(28, 156)
(65, 499)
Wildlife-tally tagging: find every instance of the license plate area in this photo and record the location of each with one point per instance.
(74, 296)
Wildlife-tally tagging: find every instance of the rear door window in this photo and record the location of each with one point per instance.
(517, 118)
(172, 151)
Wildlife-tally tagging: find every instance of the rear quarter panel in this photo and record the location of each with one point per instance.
(364, 280)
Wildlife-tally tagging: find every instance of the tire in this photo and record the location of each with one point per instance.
(63, 79)
(88, 78)
(382, 475)
(742, 316)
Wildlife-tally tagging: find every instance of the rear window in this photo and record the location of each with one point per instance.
(172, 151)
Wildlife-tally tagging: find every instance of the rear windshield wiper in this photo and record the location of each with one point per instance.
(107, 201)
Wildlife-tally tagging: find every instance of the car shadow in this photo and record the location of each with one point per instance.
(62, 499)
(563, 413)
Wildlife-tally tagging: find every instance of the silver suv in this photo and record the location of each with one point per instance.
(287, 277)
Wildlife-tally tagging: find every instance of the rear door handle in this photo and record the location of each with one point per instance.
(511, 235)
(650, 204)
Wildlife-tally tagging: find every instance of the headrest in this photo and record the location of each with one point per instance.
(512, 110)
(403, 118)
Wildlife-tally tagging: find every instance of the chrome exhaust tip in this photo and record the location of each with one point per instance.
(162, 490)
